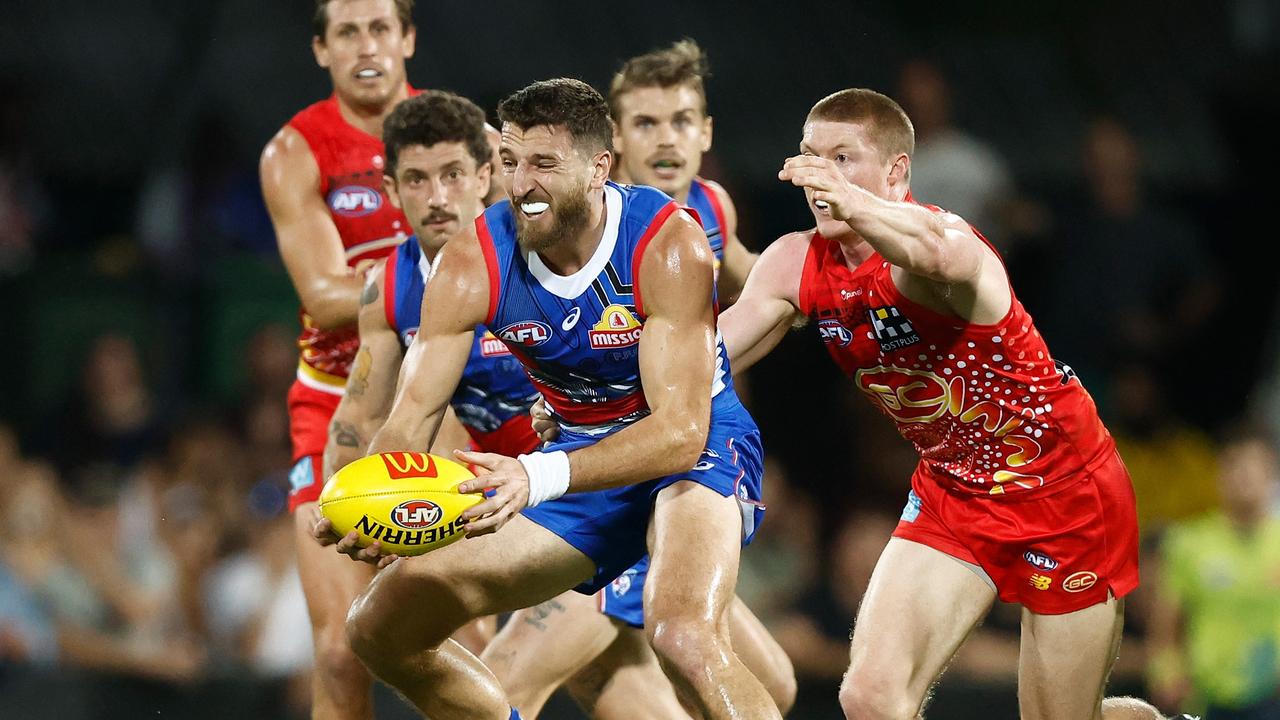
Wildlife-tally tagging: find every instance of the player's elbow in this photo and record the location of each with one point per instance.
(325, 312)
(687, 440)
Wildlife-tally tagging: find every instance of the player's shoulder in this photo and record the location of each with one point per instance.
(793, 244)
(715, 188)
(287, 150)
(948, 218)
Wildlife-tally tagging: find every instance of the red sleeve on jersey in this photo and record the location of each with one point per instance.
(817, 246)
(654, 226)
(714, 198)
(490, 261)
(389, 289)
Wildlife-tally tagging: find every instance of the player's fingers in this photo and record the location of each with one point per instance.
(484, 461)
(387, 560)
(486, 525)
(371, 554)
(484, 483)
(493, 504)
(348, 543)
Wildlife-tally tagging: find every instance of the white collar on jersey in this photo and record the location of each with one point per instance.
(570, 287)
(424, 266)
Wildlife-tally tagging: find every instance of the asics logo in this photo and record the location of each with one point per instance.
(571, 320)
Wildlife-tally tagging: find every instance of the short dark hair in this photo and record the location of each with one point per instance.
(435, 116)
(683, 63)
(562, 101)
(890, 128)
(320, 20)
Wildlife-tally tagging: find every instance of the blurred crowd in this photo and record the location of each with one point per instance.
(143, 532)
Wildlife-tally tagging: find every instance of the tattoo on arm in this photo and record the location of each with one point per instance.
(359, 381)
(370, 293)
(541, 612)
(345, 434)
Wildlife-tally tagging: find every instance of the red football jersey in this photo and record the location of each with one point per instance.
(986, 406)
(351, 162)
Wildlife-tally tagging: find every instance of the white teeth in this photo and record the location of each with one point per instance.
(534, 208)
(365, 74)
(821, 204)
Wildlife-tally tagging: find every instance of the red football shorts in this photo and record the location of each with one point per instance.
(310, 411)
(1054, 553)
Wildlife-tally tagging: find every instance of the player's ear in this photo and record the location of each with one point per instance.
(409, 42)
(391, 188)
(617, 136)
(706, 133)
(320, 50)
(484, 175)
(900, 171)
(601, 164)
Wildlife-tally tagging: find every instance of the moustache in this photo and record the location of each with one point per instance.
(438, 217)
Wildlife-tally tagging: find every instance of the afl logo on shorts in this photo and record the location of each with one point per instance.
(355, 200)
(529, 333)
(832, 332)
(416, 514)
(1079, 582)
(1040, 560)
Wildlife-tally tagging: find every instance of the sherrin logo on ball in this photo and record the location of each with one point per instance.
(406, 500)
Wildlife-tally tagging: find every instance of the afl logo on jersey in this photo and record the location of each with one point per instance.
(529, 333)
(617, 328)
(833, 333)
(355, 200)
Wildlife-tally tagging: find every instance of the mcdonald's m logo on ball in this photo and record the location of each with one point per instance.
(402, 465)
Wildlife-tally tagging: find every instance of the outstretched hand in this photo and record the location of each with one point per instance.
(831, 191)
(506, 487)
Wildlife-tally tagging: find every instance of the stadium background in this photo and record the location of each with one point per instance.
(1118, 155)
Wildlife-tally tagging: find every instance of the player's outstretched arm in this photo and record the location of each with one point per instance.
(456, 300)
(769, 304)
(737, 258)
(308, 240)
(371, 386)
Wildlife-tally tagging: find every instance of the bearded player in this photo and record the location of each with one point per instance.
(322, 181)
(661, 129)
(595, 287)
(1019, 493)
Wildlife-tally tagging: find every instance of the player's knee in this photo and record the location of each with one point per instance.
(379, 628)
(864, 696)
(335, 662)
(684, 643)
(1129, 708)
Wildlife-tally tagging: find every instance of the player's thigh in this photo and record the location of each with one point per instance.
(919, 607)
(330, 581)
(1065, 661)
(625, 682)
(762, 654)
(542, 646)
(695, 539)
(520, 565)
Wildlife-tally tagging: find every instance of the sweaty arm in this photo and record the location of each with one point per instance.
(677, 361)
(371, 384)
(455, 301)
(769, 304)
(305, 233)
(738, 260)
(939, 260)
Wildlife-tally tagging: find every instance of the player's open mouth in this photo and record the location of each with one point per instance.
(666, 168)
(368, 74)
(533, 209)
(823, 206)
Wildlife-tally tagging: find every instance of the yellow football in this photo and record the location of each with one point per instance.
(407, 500)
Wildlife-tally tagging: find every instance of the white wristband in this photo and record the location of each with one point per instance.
(548, 475)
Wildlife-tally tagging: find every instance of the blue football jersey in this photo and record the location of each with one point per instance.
(578, 335)
(494, 389)
(704, 202)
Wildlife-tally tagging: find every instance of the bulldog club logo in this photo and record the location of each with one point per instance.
(617, 328)
(416, 514)
(355, 200)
